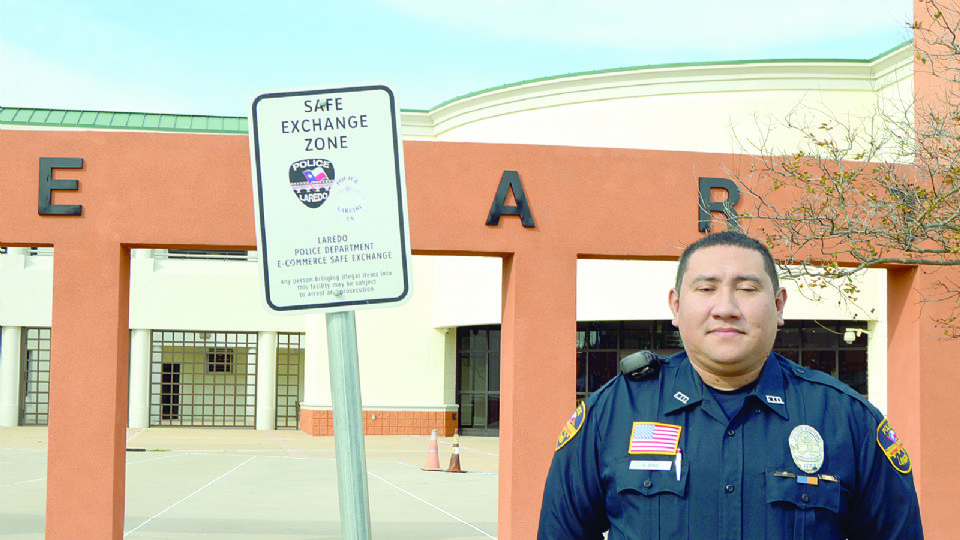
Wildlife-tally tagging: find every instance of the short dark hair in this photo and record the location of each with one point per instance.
(729, 238)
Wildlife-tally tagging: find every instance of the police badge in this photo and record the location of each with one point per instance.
(806, 447)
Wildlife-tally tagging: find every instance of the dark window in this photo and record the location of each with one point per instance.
(220, 361)
(209, 255)
(824, 346)
(820, 345)
(478, 379)
(601, 345)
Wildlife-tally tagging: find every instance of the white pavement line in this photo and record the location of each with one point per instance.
(475, 451)
(42, 478)
(205, 486)
(24, 482)
(148, 460)
(431, 505)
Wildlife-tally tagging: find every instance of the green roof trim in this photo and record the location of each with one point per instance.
(121, 120)
(679, 65)
(237, 124)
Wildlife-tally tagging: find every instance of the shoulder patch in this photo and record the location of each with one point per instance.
(573, 425)
(893, 448)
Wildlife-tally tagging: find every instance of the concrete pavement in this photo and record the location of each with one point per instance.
(192, 483)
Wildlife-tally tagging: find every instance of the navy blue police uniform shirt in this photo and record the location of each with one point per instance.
(805, 457)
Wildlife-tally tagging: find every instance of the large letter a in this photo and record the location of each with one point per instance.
(510, 180)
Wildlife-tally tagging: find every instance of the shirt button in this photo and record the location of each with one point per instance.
(647, 483)
(805, 498)
(730, 488)
(731, 433)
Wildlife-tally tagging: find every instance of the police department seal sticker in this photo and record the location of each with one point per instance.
(806, 447)
(572, 426)
(349, 199)
(311, 181)
(893, 448)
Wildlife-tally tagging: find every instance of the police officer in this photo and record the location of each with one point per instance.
(727, 440)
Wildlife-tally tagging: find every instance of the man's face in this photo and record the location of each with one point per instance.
(727, 312)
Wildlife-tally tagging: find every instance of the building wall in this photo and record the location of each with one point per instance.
(708, 108)
(406, 364)
(200, 294)
(632, 199)
(719, 107)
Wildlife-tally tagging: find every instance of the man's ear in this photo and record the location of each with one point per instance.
(780, 300)
(674, 300)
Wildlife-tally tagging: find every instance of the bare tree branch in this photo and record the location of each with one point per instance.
(860, 193)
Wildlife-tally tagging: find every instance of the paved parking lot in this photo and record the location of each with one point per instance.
(191, 483)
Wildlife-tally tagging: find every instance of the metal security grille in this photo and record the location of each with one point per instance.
(289, 382)
(36, 377)
(203, 378)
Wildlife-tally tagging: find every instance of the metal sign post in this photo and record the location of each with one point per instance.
(332, 234)
(347, 413)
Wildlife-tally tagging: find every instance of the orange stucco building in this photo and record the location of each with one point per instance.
(614, 219)
(147, 188)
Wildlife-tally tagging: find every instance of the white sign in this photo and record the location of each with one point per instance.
(329, 198)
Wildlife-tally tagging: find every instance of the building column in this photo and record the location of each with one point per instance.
(532, 406)
(86, 431)
(267, 380)
(10, 372)
(140, 343)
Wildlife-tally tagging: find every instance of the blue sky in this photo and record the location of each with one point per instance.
(210, 57)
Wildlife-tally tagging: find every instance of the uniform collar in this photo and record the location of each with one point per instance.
(686, 389)
(771, 390)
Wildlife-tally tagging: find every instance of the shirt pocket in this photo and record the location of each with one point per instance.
(651, 503)
(802, 511)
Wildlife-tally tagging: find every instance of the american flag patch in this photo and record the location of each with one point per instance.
(654, 438)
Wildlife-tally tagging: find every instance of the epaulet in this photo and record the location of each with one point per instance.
(622, 378)
(816, 376)
(618, 378)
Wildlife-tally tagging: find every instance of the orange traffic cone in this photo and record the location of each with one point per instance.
(433, 456)
(455, 457)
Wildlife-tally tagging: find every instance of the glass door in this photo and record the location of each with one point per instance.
(478, 380)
